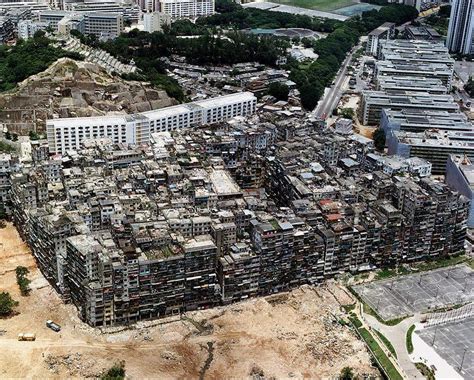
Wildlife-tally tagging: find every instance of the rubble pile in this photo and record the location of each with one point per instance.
(70, 88)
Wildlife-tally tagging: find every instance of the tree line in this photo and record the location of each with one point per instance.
(27, 58)
(148, 50)
(332, 50)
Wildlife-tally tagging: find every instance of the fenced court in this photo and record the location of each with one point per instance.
(454, 342)
(420, 292)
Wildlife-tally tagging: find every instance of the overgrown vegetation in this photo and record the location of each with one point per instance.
(23, 281)
(426, 371)
(409, 341)
(28, 58)
(387, 343)
(7, 304)
(116, 372)
(278, 90)
(6, 148)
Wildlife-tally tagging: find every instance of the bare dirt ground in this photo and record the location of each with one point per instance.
(296, 334)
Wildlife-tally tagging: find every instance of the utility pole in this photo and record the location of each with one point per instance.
(434, 336)
(462, 361)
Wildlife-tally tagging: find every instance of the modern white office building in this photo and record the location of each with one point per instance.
(102, 24)
(461, 27)
(68, 134)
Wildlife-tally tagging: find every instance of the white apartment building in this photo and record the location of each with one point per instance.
(154, 21)
(68, 134)
(28, 28)
(187, 8)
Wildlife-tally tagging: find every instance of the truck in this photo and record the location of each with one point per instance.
(26, 337)
(53, 326)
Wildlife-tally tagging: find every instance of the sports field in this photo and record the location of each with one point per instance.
(419, 293)
(319, 5)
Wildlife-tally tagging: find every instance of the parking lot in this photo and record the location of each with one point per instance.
(420, 292)
(452, 342)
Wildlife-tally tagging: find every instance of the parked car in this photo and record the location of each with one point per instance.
(53, 326)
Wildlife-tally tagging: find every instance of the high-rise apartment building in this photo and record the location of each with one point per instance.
(461, 27)
(187, 8)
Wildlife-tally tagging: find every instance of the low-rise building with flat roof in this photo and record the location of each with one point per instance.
(373, 102)
(434, 146)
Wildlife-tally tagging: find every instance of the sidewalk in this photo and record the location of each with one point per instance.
(397, 336)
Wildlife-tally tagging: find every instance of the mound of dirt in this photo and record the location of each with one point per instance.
(71, 88)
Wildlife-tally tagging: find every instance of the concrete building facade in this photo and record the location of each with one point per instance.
(461, 27)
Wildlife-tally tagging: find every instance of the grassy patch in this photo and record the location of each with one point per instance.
(320, 5)
(409, 341)
(387, 343)
(391, 272)
(442, 263)
(425, 371)
(349, 308)
(424, 266)
(384, 361)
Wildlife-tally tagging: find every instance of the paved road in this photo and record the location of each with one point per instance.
(332, 97)
(397, 336)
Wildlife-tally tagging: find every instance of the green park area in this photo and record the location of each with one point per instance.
(319, 5)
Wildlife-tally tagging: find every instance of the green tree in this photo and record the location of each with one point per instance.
(347, 113)
(278, 90)
(347, 373)
(310, 95)
(116, 372)
(379, 139)
(22, 281)
(7, 304)
(34, 136)
(21, 271)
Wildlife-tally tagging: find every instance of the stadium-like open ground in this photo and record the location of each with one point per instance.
(420, 292)
(320, 5)
(452, 342)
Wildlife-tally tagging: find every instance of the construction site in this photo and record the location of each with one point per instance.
(298, 334)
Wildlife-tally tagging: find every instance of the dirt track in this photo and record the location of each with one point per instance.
(288, 335)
